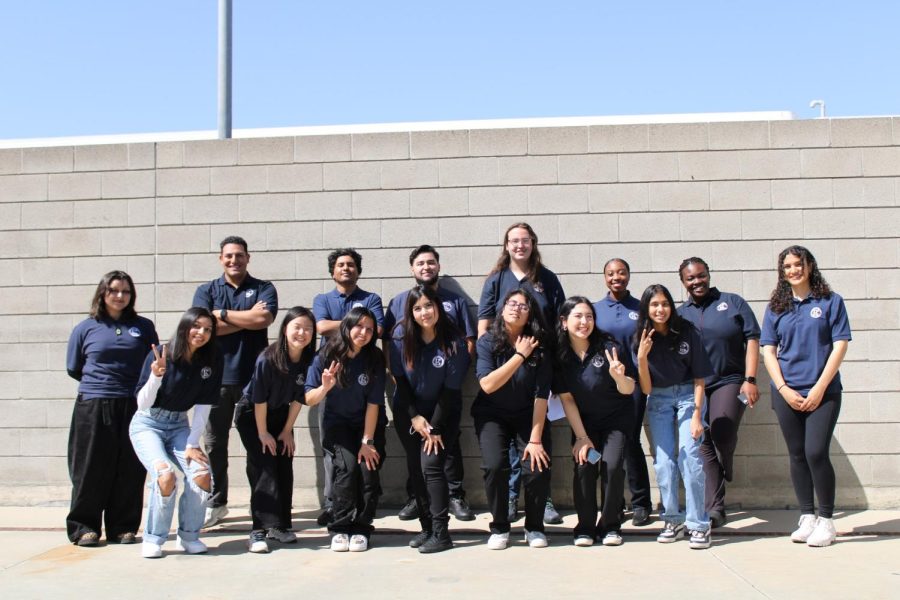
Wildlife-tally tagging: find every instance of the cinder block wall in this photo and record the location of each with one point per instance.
(734, 193)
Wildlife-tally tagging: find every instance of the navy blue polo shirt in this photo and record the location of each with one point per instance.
(346, 406)
(274, 388)
(106, 356)
(599, 402)
(432, 372)
(547, 292)
(678, 358)
(725, 323)
(185, 384)
(805, 335)
(455, 307)
(619, 319)
(241, 348)
(334, 306)
(515, 398)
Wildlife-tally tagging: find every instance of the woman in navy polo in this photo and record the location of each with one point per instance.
(105, 354)
(672, 365)
(805, 335)
(730, 335)
(514, 372)
(617, 315)
(348, 376)
(519, 267)
(185, 374)
(595, 390)
(265, 417)
(428, 362)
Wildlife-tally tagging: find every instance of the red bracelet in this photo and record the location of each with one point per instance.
(535, 443)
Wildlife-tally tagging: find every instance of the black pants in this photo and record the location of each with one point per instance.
(355, 490)
(218, 428)
(611, 445)
(808, 439)
(635, 460)
(327, 464)
(494, 435)
(428, 472)
(724, 413)
(271, 477)
(453, 467)
(107, 477)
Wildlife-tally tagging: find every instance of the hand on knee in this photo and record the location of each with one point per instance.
(165, 478)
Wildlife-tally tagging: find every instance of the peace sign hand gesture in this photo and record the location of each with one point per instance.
(616, 368)
(646, 344)
(329, 376)
(158, 366)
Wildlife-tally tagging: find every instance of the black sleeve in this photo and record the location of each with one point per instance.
(404, 400)
(447, 400)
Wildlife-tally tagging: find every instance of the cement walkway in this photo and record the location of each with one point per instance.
(750, 558)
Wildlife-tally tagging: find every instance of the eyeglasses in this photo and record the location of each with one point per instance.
(112, 292)
(513, 305)
(520, 241)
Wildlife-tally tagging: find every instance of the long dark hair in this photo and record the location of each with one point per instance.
(596, 339)
(782, 296)
(277, 352)
(98, 303)
(534, 261)
(339, 346)
(178, 347)
(445, 331)
(676, 324)
(534, 326)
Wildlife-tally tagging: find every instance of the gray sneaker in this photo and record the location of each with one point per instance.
(285, 536)
(700, 540)
(670, 533)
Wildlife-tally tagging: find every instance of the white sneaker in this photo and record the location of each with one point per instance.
(191, 547)
(823, 535)
(358, 543)
(612, 538)
(340, 542)
(151, 550)
(498, 541)
(536, 539)
(584, 541)
(806, 525)
(214, 515)
(257, 542)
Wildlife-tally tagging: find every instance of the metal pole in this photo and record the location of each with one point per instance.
(224, 69)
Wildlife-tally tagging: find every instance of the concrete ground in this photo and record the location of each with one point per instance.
(751, 557)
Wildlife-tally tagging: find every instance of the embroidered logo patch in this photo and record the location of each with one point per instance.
(363, 379)
(722, 306)
(448, 306)
(301, 379)
(205, 372)
(134, 332)
(357, 304)
(815, 312)
(684, 348)
(538, 288)
(598, 361)
(437, 362)
(633, 316)
(249, 293)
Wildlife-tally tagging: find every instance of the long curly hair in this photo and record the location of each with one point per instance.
(782, 296)
(533, 327)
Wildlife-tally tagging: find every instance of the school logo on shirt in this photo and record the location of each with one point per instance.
(722, 306)
(301, 379)
(633, 315)
(815, 312)
(448, 306)
(684, 348)
(249, 293)
(134, 332)
(357, 304)
(538, 288)
(532, 361)
(598, 361)
(205, 372)
(437, 362)
(363, 379)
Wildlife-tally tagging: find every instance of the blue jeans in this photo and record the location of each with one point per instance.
(159, 437)
(669, 409)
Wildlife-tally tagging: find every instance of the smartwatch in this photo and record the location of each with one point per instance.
(751, 380)
(223, 314)
(368, 441)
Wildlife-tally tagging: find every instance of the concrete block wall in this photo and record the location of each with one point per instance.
(734, 193)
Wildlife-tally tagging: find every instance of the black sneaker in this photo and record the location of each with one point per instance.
(513, 510)
(436, 543)
(640, 516)
(459, 508)
(420, 539)
(551, 515)
(325, 519)
(717, 518)
(409, 511)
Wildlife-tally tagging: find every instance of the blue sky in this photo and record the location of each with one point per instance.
(93, 67)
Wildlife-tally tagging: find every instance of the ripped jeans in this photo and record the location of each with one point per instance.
(159, 437)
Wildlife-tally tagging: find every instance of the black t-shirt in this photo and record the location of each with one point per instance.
(515, 398)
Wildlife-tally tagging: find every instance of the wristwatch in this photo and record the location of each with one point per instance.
(751, 380)
(368, 441)
(223, 314)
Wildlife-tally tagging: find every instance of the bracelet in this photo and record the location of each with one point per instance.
(581, 439)
(537, 443)
(781, 386)
(524, 358)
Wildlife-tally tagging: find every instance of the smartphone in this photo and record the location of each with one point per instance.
(593, 456)
(743, 398)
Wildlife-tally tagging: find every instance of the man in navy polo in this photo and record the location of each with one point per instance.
(345, 267)
(244, 307)
(424, 262)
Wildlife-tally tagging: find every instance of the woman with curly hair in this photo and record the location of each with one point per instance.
(805, 335)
